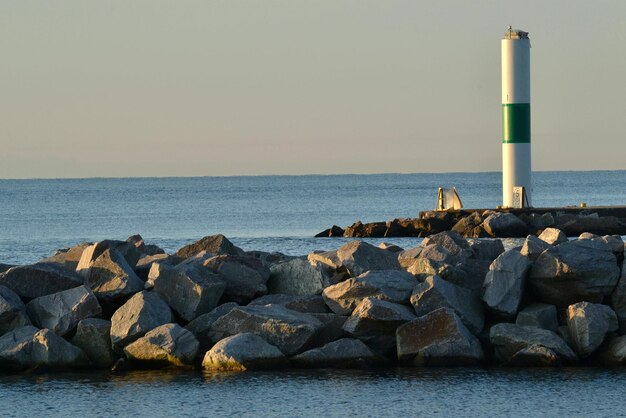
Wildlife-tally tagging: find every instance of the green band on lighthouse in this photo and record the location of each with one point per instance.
(516, 123)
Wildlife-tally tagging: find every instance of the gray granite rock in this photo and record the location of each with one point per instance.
(504, 284)
(589, 324)
(533, 247)
(68, 258)
(539, 315)
(244, 351)
(93, 337)
(245, 277)
(508, 339)
(12, 311)
(357, 257)
(201, 325)
(389, 285)
(307, 304)
(502, 224)
(61, 312)
(214, 244)
(435, 293)
(35, 280)
(288, 330)
(345, 353)
(188, 289)
(486, 249)
(553, 236)
(28, 347)
(438, 338)
(166, 344)
(141, 313)
(298, 277)
(110, 277)
(575, 271)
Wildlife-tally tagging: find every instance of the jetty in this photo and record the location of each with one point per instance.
(451, 301)
(493, 223)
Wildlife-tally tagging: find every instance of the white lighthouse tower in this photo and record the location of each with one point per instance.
(516, 169)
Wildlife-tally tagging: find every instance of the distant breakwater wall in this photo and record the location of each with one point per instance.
(493, 223)
(451, 301)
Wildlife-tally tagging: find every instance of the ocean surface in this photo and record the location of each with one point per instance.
(270, 213)
(282, 213)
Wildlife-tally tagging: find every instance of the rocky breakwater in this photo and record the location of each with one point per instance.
(449, 302)
(487, 223)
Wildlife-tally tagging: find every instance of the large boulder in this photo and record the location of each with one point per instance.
(141, 313)
(357, 257)
(504, 284)
(166, 344)
(539, 315)
(533, 247)
(145, 263)
(407, 257)
(110, 277)
(288, 330)
(435, 293)
(439, 254)
(12, 311)
(438, 338)
(307, 304)
(553, 236)
(188, 289)
(240, 352)
(486, 249)
(201, 326)
(5, 267)
(614, 353)
(509, 339)
(345, 353)
(589, 324)
(389, 285)
(245, 276)
(91, 253)
(68, 257)
(28, 347)
(214, 244)
(453, 242)
(575, 271)
(373, 317)
(35, 280)
(534, 355)
(298, 277)
(62, 311)
(502, 224)
(93, 337)
(471, 226)
(328, 259)
(618, 300)
(375, 322)
(332, 328)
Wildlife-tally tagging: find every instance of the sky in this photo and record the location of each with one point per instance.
(95, 88)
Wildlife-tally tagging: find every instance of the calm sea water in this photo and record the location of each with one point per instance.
(282, 213)
(391, 393)
(271, 213)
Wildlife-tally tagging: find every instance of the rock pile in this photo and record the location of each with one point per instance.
(450, 301)
(501, 223)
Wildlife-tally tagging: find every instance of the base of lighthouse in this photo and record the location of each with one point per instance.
(515, 172)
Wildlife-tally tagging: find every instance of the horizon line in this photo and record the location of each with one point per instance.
(285, 175)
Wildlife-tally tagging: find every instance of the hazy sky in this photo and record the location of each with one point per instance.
(177, 88)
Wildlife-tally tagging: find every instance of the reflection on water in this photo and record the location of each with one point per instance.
(389, 392)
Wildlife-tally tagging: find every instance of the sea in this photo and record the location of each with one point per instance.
(282, 214)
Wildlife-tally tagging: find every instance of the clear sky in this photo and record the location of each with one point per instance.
(178, 88)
